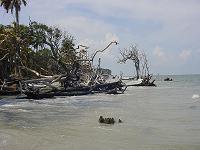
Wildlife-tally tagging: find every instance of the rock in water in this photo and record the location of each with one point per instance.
(101, 119)
(120, 121)
(106, 120)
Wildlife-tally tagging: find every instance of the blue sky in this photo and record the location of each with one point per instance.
(167, 30)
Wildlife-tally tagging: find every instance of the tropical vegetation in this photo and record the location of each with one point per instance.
(43, 49)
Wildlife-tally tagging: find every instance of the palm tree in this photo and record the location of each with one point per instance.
(13, 5)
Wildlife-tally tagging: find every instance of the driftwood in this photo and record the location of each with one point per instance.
(73, 93)
(3, 85)
(44, 88)
(35, 72)
(117, 91)
(37, 94)
(70, 83)
(107, 86)
(146, 83)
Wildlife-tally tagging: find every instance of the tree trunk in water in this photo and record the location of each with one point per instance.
(137, 67)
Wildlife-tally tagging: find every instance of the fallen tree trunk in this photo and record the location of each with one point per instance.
(105, 87)
(34, 72)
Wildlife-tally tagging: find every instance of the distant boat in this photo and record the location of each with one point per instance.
(168, 79)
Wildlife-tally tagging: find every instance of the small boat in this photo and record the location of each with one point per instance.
(168, 79)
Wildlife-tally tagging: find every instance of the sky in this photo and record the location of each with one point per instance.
(166, 30)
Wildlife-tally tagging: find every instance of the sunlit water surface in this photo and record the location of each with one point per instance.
(166, 117)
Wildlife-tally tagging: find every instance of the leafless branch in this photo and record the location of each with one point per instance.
(35, 72)
(4, 56)
(100, 51)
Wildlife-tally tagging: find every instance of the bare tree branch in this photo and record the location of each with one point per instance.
(132, 53)
(100, 51)
(35, 72)
(4, 56)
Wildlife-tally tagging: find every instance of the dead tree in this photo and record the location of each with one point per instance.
(131, 53)
(100, 51)
(87, 61)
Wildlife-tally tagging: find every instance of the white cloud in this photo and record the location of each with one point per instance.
(111, 37)
(86, 42)
(185, 54)
(159, 53)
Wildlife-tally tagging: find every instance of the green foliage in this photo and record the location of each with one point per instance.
(59, 44)
(12, 4)
(47, 50)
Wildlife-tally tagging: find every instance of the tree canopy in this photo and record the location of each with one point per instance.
(47, 50)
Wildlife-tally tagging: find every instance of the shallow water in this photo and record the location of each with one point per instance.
(166, 117)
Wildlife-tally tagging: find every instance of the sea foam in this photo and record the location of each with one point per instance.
(195, 96)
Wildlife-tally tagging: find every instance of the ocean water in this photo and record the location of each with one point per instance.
(166, 117)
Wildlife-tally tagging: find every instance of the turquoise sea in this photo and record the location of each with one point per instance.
(166, 117)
